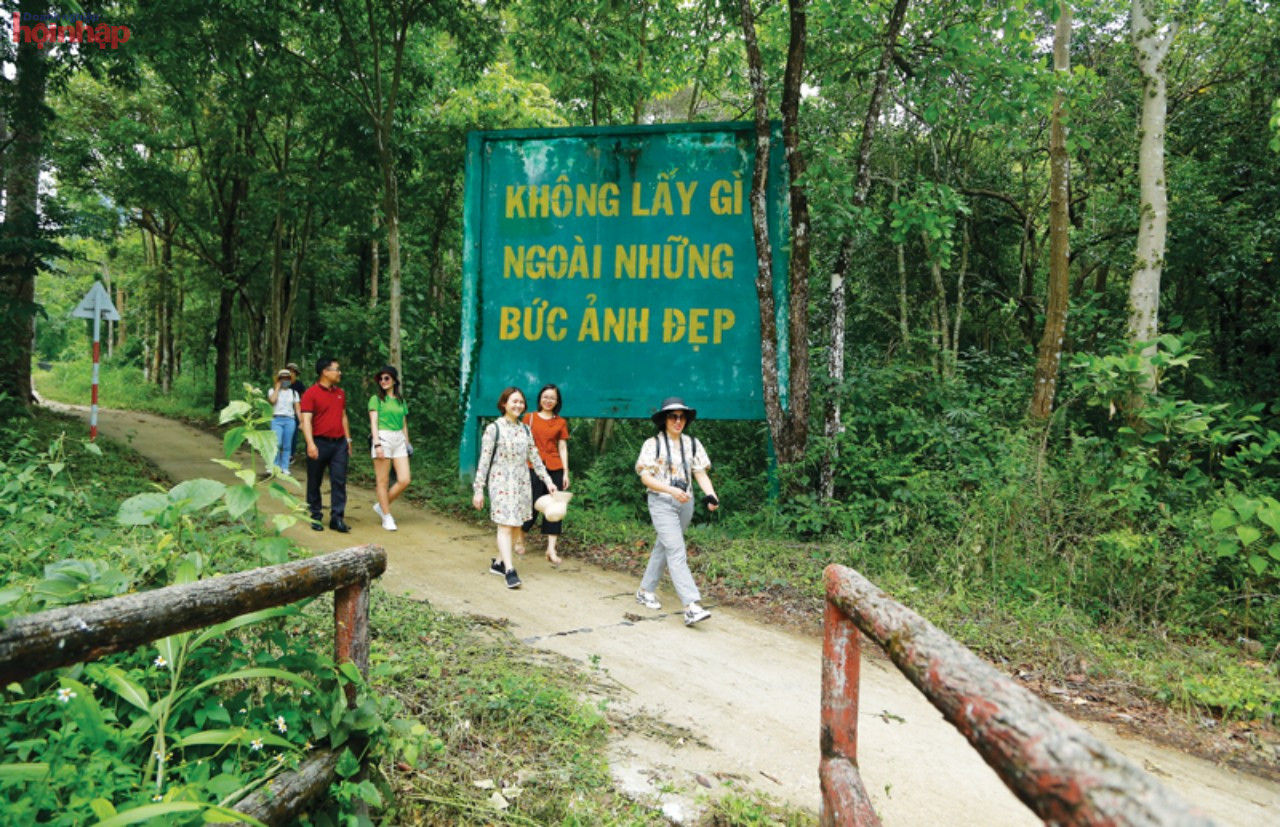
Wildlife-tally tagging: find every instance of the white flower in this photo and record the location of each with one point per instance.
(157, 797)
(280, 724)
(65, 695)
(255, 744)
(160, 662)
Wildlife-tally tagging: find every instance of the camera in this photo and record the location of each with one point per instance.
(683, 485)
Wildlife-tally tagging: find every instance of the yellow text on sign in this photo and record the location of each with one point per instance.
(692, 327)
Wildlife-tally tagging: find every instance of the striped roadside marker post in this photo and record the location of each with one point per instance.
(96, 305)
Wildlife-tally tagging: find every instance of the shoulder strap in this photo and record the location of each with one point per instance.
(497, 440)
(671, 456)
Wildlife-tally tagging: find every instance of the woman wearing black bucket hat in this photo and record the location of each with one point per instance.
(669, 462)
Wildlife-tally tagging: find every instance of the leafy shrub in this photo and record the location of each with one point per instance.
(178, 731)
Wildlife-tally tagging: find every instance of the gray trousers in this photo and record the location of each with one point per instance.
(670, 519)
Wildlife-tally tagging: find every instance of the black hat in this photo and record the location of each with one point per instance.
(673, 403)
(395, 374)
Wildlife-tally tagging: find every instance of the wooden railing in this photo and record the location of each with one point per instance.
(1060, 771)
(35, 643)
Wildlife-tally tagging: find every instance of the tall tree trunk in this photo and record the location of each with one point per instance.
(275, 310)
(301, 246)
(391, 213)
(108, 329)
(941, 319)
(637, 108)
(782, 439)
(150, 363)
(904, 321)
(601, 433)
(21, 234)
(375, 264)
(229, 269)
(1152, 45)
(798, 262)
(222, 348)
(121, 330)
(836, 291)
(1055, 317)
(789, 428)
(171, 307)
(965, 241)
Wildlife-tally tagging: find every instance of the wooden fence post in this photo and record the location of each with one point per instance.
(351, 629)
(844, 799)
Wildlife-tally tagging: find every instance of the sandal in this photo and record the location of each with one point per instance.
(519, 548)
(553, 558)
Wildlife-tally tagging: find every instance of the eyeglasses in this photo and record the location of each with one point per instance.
(679, 417)
(335, 370)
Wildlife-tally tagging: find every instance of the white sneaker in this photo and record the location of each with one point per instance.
(377, 509)
(648, 599)
(389, 522)
(695, 614)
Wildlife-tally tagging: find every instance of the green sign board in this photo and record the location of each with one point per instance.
(619, 264)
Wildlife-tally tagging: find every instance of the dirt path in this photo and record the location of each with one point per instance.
(729, 700)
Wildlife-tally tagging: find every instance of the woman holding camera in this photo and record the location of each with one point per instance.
(669, 462)
(284, 417)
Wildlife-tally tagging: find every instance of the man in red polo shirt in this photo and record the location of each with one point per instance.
(328, 435)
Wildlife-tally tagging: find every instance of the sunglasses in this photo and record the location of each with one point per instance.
(676, 416)
(385, 378)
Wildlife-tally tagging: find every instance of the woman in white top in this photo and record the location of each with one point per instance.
(670, 462)
(285, 416)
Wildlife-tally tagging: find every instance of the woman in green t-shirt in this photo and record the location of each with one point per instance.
(389, 424)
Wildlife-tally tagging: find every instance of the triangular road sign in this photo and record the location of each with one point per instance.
(96, 301)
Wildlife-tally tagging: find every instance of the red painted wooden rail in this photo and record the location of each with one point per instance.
(36, 643)
(1060, 771)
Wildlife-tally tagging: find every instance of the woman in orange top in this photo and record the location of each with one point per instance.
(551, 436)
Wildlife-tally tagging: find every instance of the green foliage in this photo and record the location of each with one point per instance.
(176, 513)
(1166, 449)
(931, 213)
(53, 500)
(755, 811)
(177, 729)
(1275, 125)
(194, 722)
(1250, 528)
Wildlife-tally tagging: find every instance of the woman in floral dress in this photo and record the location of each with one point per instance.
(506, 453)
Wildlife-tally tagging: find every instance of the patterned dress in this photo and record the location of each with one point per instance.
(507, 470)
